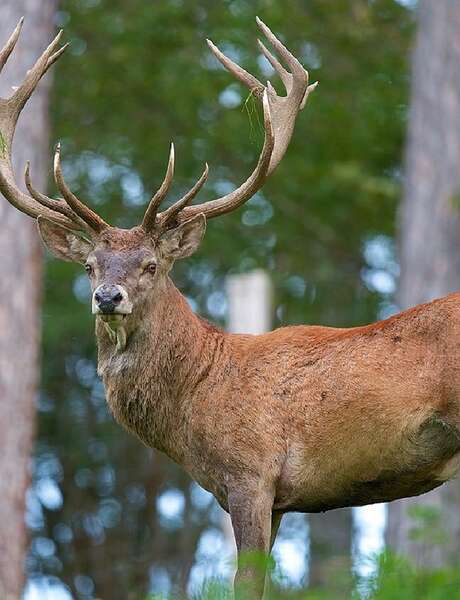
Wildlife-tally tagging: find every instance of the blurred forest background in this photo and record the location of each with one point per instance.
(107, 517)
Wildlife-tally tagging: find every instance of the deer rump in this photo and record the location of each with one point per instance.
(370, 413)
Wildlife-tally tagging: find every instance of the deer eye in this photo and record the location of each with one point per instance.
(88, 269)
(151, 268)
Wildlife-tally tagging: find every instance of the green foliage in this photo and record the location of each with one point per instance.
(395, 579)
(427, 525)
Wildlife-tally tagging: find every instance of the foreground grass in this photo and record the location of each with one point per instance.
(395, 579)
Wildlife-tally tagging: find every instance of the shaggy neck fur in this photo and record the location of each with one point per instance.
(168, 356)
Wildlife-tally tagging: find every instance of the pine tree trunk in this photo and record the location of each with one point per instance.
(330, 549)
(20, 275)
(430, 245)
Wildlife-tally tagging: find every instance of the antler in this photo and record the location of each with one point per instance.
(280, 113)
(165, 219)
(95, 222)
(150, 216)
(72, 213)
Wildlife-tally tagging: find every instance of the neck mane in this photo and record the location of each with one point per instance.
(168, 358)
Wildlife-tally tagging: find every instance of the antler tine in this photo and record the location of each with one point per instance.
(234, 199)
(9, 112)
(289, 58)
(56, 205)
(10, 44)
(171, 213)
(285, 76)
(311, 88)
(53, 58)
(95, 222)
(33, 76)
(149, 220)
(241, 74)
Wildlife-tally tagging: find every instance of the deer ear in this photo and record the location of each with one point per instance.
(62, 242)
(183, 240)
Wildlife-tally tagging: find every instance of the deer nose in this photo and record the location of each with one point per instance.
(107, 298)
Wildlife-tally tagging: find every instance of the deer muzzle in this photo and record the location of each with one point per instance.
(111, 301)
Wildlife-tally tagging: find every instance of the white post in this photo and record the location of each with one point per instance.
(249, 302)
(250, 309)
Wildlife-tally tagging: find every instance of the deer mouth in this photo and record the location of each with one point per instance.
(113, 318)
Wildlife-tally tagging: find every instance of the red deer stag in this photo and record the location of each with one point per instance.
(300, 419)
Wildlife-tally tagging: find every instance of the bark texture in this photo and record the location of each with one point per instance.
(20, 276)
(428, 528)
(330, 548)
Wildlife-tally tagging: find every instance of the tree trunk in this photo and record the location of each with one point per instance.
(430, 246)
(20, 275)
(330, 549)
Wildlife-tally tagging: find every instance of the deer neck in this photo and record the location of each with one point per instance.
(166, 362)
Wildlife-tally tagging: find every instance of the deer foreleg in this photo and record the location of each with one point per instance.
(251, 514)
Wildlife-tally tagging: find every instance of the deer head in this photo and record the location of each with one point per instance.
(128, 268)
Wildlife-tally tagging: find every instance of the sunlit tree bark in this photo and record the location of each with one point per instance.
(20, 275)
(430, 245)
